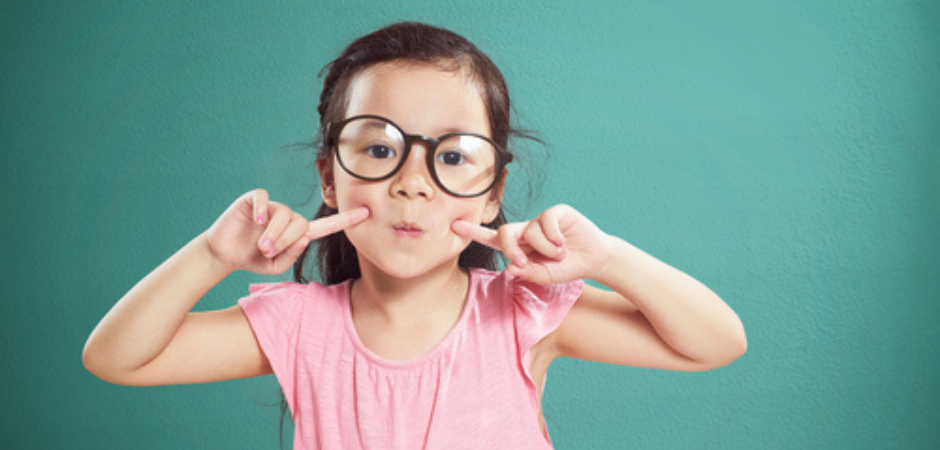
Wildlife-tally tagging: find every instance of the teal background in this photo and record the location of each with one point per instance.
(784, 153)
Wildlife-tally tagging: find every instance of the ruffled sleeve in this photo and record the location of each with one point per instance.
(539, 310)
(275, 312)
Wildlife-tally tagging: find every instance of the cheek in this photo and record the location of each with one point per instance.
(353, 199)
(470, 211)
(350, 194)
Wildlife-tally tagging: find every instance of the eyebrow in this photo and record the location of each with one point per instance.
(452, 129)
(464, 130)
(376, 123)
(379, 124)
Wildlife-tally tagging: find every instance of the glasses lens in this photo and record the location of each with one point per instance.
(370, 148)
(466, 164)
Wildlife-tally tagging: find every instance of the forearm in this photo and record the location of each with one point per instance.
(686, 314)
(141, 325)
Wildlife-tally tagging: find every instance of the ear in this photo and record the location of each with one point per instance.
(327, 189)
(496, 199)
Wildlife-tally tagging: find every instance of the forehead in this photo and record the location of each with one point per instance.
(422, 98)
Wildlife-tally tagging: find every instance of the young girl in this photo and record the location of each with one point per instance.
(412, 340)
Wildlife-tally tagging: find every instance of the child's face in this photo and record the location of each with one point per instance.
(408, 233)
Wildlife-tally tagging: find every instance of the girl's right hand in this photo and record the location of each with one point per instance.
(266, 237)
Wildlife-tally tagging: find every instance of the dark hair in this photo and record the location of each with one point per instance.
(407, 42)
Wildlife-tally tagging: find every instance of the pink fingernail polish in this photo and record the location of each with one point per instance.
(268, 249)
(260, 218)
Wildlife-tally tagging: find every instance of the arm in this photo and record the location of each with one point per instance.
(150, 337)
(656, 316)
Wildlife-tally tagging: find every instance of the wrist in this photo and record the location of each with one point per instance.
(620, 262)
(214, 263)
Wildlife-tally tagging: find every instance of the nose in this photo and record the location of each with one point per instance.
(414, 180)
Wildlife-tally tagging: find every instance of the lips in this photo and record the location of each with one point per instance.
(408, 230)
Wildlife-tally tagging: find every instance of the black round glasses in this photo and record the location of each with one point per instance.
(374, 148)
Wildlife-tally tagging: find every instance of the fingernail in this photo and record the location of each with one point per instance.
(260, 218)
(519, 261)
(266, 245)
(561, 253)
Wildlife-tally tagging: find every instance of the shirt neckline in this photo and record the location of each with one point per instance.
(433, 354)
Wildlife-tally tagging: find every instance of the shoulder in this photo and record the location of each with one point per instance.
(285, 299)
(276, 289)
(502, 284)
(534, 310)
(291, 289)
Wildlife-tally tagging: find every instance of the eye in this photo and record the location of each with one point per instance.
(380, 152)
(451, 158)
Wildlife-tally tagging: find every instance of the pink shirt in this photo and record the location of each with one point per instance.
(473, 390)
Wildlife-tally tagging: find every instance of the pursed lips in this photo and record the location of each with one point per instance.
(408, 230)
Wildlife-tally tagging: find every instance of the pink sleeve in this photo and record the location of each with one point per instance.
(540, 309)
(275, 312)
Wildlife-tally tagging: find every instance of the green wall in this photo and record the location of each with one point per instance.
(785, 153)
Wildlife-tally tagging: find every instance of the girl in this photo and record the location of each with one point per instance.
(412, 340)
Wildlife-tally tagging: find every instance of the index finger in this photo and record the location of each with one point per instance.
(325, 226)
(483, 235)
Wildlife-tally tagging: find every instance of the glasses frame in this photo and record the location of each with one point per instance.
(333, 130)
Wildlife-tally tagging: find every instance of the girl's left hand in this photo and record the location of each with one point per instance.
(559, 245)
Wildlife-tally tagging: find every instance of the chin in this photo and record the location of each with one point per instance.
(407, 265)
(407, 268)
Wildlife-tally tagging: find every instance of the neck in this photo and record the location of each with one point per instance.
(409, 300)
